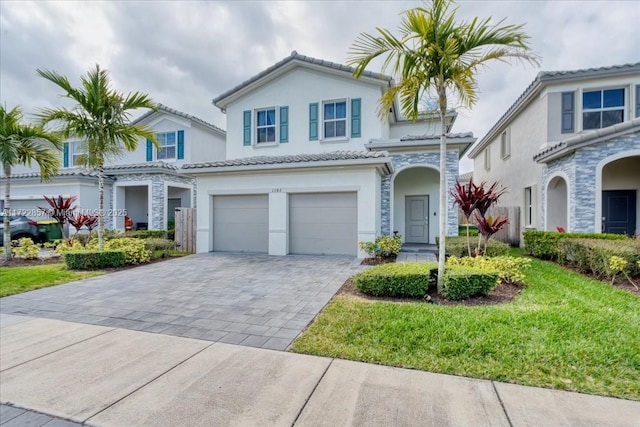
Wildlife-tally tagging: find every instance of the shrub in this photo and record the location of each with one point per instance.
(464, 282)
(134, 249)
(384, 246)
(93, 260)
(395, 280)
(26, 249)
(473, 230)
(145, 234)
(155, 244)
(63, 246)
(509, 269)
(82, 238)
(594, 255)
(457, 246)
(544, 244)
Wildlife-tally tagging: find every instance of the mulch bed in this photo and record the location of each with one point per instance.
(501, 294)
(620, 282)
(377, 261)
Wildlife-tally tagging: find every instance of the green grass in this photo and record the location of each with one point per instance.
(564, 331)
(14, 280)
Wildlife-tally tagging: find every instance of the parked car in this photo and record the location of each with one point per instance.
(21, 226)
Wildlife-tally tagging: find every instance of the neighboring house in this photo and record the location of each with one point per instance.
(146, 184)
(311, 168)
(568, 150)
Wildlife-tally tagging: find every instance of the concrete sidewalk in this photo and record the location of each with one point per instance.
(106, 376)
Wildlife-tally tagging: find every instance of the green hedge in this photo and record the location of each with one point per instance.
(395, 279)
(593, 255)
(94, 260)
(457, 246)
(473, 230)
(146, 234)
(154, 244)
(464, 282)
(544, 244)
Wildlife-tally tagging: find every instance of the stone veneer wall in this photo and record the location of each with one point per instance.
(580, 167)
(157, 193)
(400, 161)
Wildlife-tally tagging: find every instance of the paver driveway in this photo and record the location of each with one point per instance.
(258, 301)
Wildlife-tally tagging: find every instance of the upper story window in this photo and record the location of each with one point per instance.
(77, 149)
(505, 144)
(602, 108)
(487, 159)
(335, 119)
(266, 125)
(167, 146)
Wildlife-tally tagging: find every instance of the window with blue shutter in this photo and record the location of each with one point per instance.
(284, 124)
(65, 158)
(568, 112)
(637, 100)
(356, 118)
(247, 128)
(180, 144)
(149, 150)
(313, 121)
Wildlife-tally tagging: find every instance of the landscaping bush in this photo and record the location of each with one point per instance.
(146, 234)
(509, 269)
(464, 282)
(83, 238)
(384, 246)
(155, 244)
(63, 246)
(134, 249)
(94, 260)
(457, 246)
(594, 255)
(473, 230)
(26, 249)
(544, 244)
(395, 280)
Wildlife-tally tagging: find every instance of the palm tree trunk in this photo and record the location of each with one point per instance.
(7, 210)
(100, 206)
(442, 101)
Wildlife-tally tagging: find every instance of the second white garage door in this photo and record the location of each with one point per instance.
(323, 223)
(241, 223)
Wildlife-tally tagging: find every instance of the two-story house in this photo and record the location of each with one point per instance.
(145, 184)
(312, 169)
(568, 150)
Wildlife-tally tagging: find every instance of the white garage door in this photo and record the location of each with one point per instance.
(323, 223)
(241, 223)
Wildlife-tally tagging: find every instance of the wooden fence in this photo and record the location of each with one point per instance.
(185, 229)
(511, 232)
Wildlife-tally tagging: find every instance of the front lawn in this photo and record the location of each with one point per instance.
(564, 331)
(14, 280)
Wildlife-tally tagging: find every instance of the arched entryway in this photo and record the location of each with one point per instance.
(620, 196)
(415, 206)
(557, 204)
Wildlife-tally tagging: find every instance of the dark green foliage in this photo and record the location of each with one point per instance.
(473, 230)
(154, 244)
(544, 244)
(94, 260)
(593, 255)
(395, 280)
(457, 246)
(465, 282)
(145, 234)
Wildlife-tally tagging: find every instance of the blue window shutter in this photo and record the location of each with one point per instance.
(180, 144)
(637, 100)
(568, 112)
(247, 128)
(284, 124)
(149, 150)
(313, 121)
(356, 118)
(65, 157)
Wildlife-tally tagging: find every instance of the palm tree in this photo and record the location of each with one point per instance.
(22, 144)
(101, 118)
(435, 55)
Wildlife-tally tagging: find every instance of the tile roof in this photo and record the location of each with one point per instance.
(175, 112)
(437, 137)
(80, 172)
(299, 158)
(543, 78)
(146, 165)
(296, 56)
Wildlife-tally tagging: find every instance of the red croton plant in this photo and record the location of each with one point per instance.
(479, 198)
(79, 220)
(60, 208)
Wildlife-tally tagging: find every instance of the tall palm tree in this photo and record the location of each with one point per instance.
(435, 55)
(22, 144)
(101, 118)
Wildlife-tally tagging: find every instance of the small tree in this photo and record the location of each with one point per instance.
(60, 208)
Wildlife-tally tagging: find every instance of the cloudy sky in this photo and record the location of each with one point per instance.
(184, 53)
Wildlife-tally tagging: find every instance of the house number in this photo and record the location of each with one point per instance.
(276, 190)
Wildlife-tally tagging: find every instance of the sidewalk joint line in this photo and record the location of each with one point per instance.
(148, 382)
(504, 409)
(304, 405)
(61, 348)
